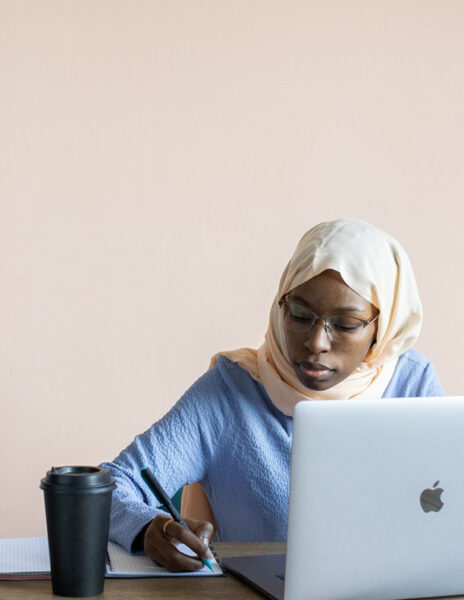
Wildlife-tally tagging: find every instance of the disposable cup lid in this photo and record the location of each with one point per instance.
(77, 478)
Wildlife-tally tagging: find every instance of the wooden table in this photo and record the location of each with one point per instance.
(228, 587)
(202, 588)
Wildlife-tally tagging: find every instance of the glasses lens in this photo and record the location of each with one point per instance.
(341, 324)
(299, 316)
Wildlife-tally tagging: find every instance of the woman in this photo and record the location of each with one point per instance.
(341, 326)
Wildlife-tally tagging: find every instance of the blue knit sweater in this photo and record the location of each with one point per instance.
(226, 433)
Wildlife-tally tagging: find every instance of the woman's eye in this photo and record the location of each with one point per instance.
(298, 317)
(346, 323)
(298, 313)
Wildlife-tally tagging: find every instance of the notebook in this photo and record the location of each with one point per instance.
(28, 558)
(376, 507)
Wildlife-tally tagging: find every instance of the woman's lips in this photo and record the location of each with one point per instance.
(315, 371)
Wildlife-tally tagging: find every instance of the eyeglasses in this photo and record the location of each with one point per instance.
(300, 319)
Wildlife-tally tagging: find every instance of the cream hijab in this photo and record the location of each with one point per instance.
(375, 266)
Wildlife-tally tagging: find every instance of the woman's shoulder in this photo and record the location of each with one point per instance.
(225, 374)
(414, 375)
(224, 385)
(229, 368)
(413, 359)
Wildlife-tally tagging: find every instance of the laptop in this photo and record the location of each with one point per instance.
(376, 508)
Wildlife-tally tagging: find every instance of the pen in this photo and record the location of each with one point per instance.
(158, 491)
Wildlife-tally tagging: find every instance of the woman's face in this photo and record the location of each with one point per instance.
(321, 358)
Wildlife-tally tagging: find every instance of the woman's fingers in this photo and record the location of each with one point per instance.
(204, 531)
(159, 547)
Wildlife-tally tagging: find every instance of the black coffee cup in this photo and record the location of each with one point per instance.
(77, 507)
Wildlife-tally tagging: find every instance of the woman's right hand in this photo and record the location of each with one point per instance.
(163, 530)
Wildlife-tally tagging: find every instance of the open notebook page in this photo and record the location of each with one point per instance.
(28, 558)
(122, 564)
(24, 555)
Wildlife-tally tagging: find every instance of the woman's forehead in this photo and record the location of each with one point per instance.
(329, 291)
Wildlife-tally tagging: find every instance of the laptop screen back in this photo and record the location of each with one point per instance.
(361, 523)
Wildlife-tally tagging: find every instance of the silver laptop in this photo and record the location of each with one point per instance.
(376, 503)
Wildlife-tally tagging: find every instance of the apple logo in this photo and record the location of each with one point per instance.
(430, 499)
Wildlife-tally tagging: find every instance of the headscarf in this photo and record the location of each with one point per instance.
(374, 265)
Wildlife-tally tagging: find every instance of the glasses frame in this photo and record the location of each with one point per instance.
(327, 327)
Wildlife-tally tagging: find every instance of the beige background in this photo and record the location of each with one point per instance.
(159, 161)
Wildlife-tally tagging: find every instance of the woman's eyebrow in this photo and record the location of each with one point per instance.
(335, 310)
(348, 309)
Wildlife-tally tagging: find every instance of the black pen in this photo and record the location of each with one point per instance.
(158, 491)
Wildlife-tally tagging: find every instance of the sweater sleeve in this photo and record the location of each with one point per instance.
(178, 448)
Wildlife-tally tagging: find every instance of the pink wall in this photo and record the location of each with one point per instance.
(159, 161)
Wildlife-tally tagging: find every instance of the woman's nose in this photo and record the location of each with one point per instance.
(317, 339)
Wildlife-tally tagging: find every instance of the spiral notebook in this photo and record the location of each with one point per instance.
(28, 558)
